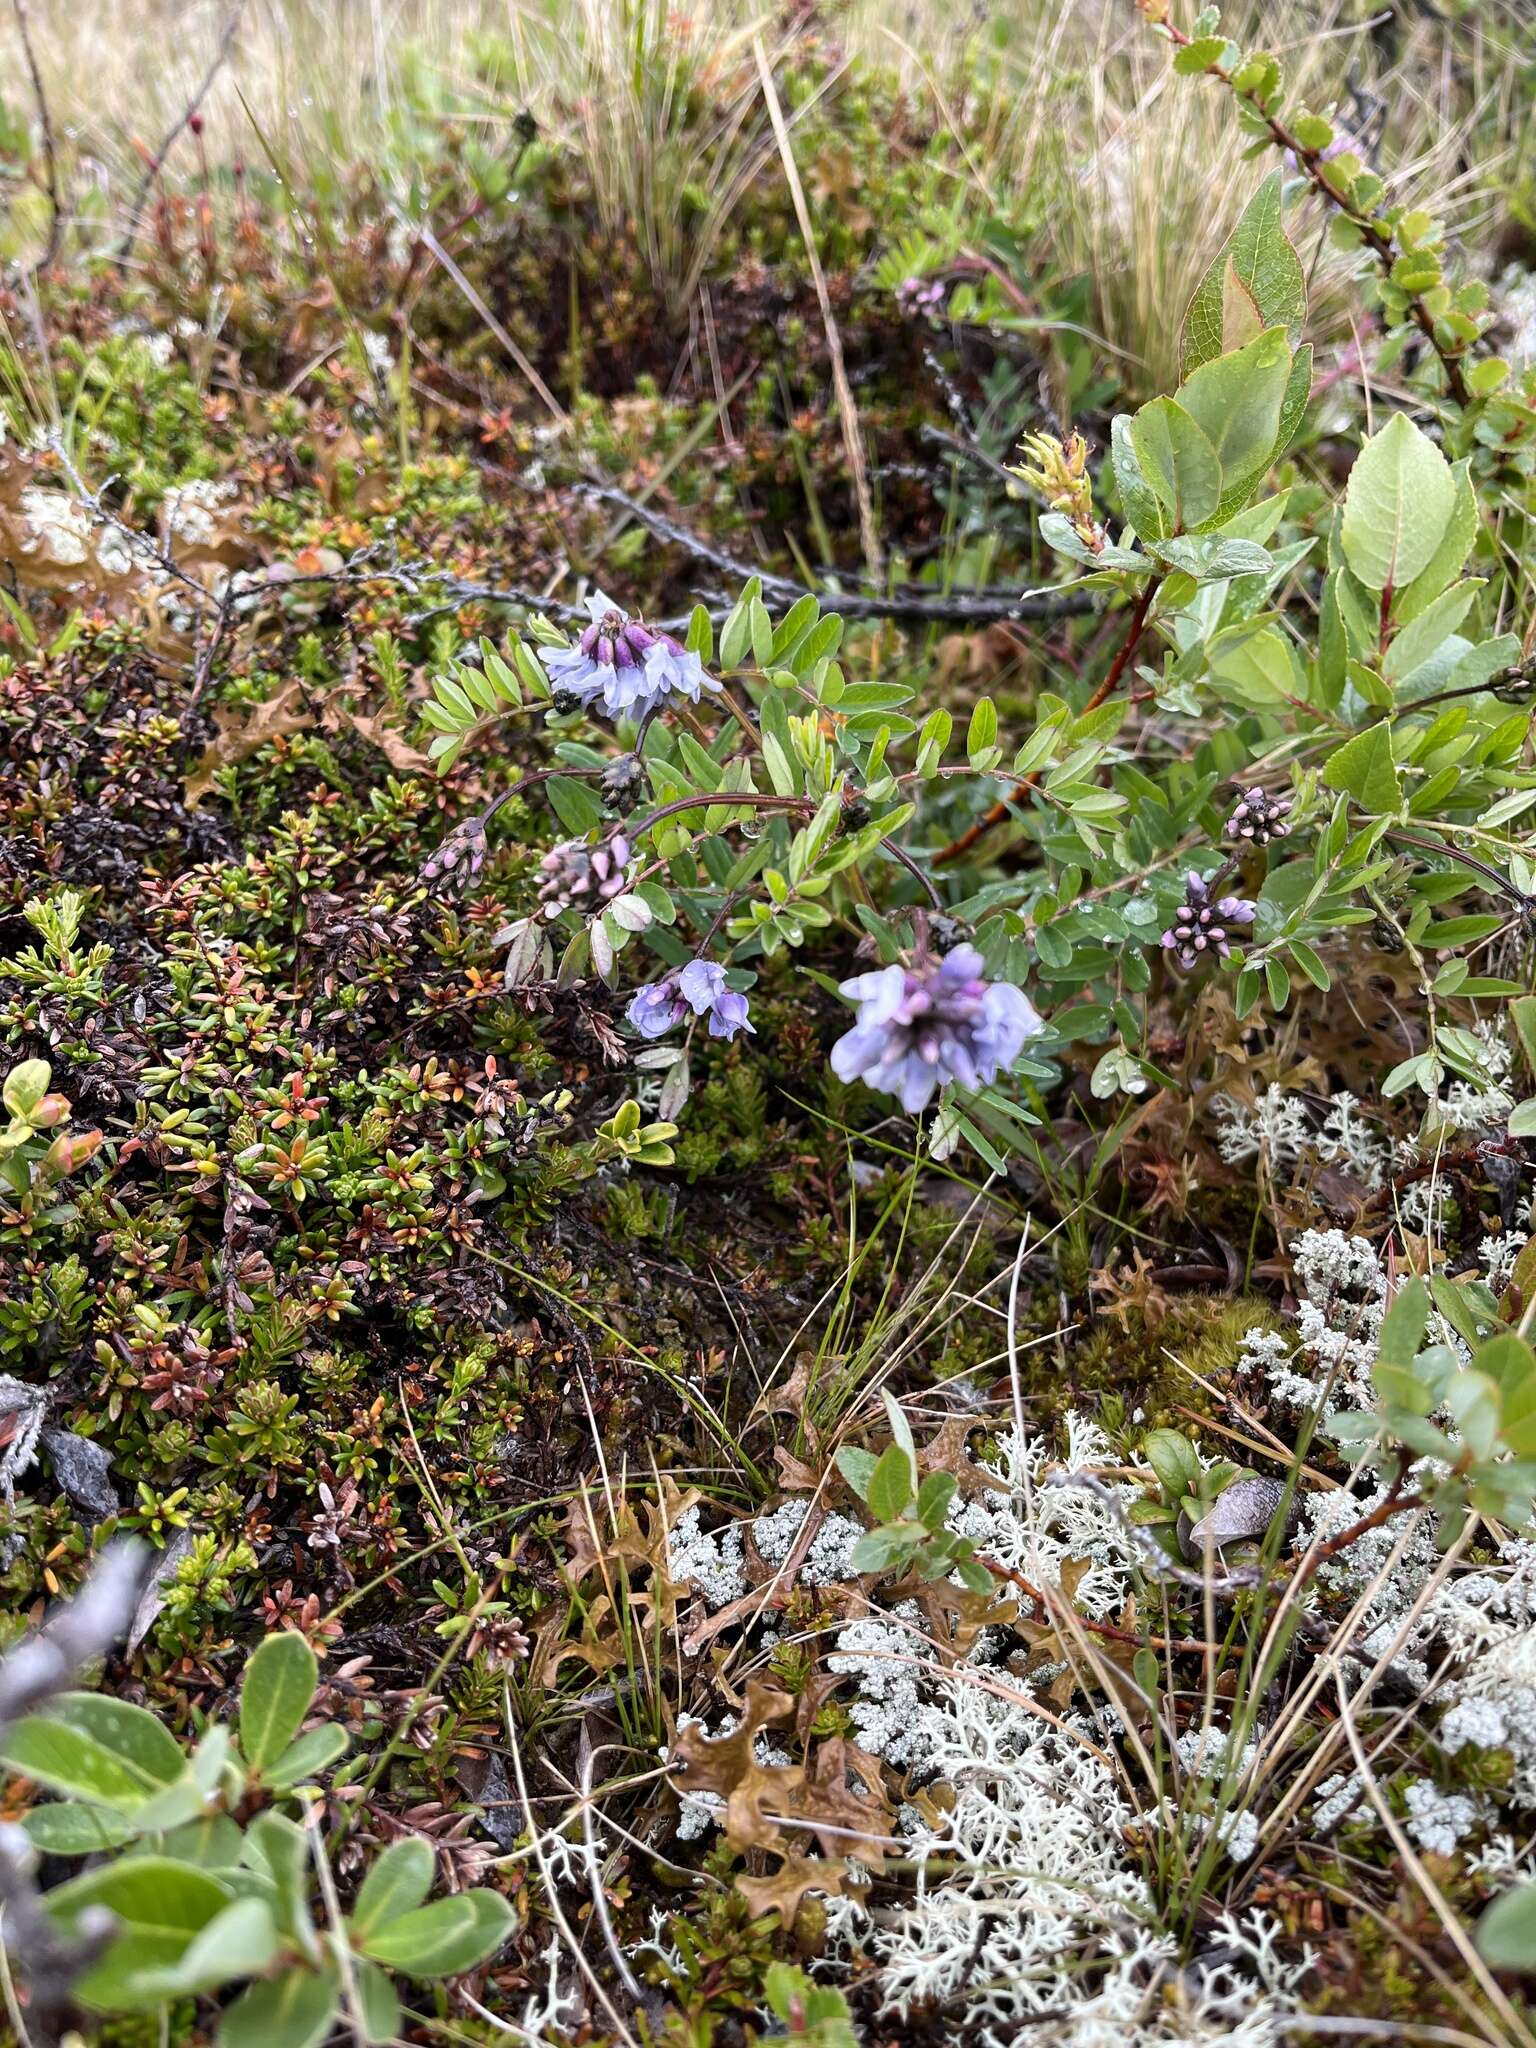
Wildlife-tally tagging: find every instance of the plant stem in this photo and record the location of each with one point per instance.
(1379, 241)
(1020, 790)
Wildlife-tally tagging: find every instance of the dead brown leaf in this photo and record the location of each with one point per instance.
(390, 741)
(788, 1885)
(243, 731)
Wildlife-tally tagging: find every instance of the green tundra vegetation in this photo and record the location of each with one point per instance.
(768, 972)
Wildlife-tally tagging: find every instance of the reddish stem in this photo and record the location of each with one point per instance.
(1020, 790)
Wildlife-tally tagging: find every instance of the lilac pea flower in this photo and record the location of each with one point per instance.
(937, 1021)
(624, 665)
(699, 989)
(654, 1009)
(702, 982)
(728, 1015)
(676, 671)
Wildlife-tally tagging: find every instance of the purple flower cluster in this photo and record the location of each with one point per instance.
(625, 665)
(938, 1020)
(461, 855)
(698, 990)
(1200, 926)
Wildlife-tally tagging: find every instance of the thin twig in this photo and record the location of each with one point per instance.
(1393, 1502)
(75, 1634)
(140, 542)
(1311, 163)
(1156, 1561)
(50, 150)
(1500, 880)
(173, 134)
(42, 1665)
(985, 604)
(900, 853)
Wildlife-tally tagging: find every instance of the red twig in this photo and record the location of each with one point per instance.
(1020, 790)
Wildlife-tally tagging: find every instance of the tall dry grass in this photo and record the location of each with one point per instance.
(1064, 110)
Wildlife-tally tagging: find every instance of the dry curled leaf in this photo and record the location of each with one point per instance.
(390, 741)
(728, 1764)
(784, 1890)
(243, 731)
(50, 541)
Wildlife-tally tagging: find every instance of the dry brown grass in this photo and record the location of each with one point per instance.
(1141, 173)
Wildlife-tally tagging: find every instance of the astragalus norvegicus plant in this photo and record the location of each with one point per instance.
(770, 1032)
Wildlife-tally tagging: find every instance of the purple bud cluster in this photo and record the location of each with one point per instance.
(921, 298)
(1200, 926)
(575, 876)
(625, 666)
(461, 855)
(1259, 817)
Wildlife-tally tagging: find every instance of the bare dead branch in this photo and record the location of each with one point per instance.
(174, 134)
(50, 149)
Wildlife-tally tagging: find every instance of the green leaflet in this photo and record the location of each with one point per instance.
(1179, 463)
(1236, 399)
(1429, 629)
(1446, 562)
(1364, 769)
